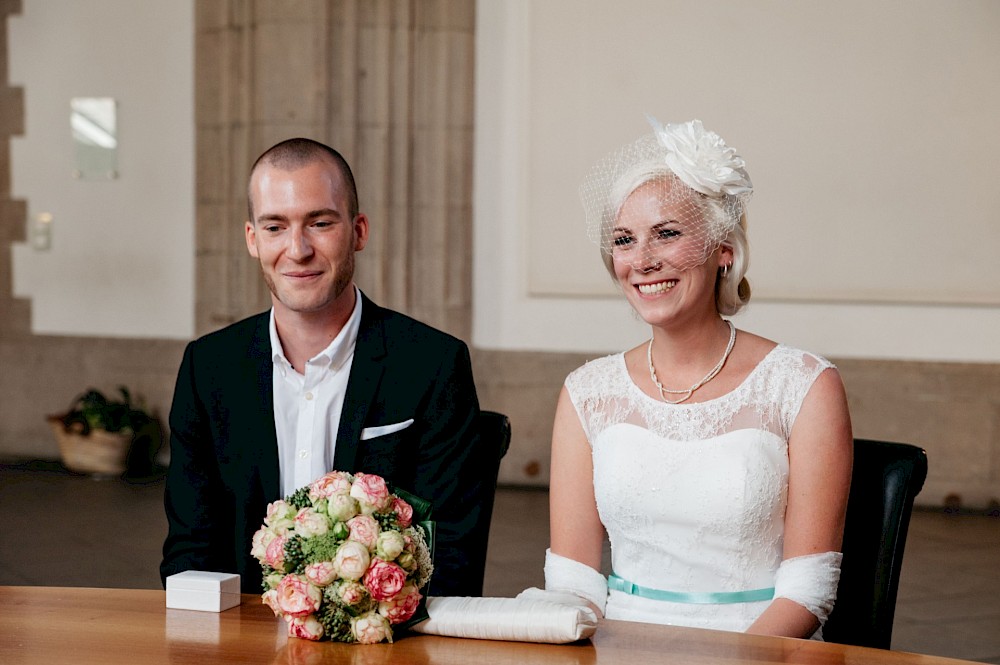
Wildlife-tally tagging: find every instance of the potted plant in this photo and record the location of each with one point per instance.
(97, 434)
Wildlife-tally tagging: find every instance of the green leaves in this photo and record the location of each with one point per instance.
(93, 410)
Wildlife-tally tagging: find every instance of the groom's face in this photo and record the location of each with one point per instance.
(304, 236)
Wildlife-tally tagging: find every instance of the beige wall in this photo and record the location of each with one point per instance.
(117, 243)
(839, 264)
(873, 220)
(41, 373)
(398, 98)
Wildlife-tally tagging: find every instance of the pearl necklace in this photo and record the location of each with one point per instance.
(708, 377)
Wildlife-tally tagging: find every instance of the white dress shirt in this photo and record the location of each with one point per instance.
(307, 407)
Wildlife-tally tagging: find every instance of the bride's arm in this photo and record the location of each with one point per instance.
(820, 454)
(575, 529)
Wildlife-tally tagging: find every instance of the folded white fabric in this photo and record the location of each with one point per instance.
(522, 619)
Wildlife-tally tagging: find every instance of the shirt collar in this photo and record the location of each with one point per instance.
(339, 350)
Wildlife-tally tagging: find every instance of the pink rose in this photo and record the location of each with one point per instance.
(322, 573)
(270, 598)
(364, 529)
(404, 512)
(402, 606)
(371, 628)
(297, 597)
(309, 523)
(335, 482)
(371, 492)
(351, 593)
(351, 560)
(274, 554)
(384, 580)
(307, 627)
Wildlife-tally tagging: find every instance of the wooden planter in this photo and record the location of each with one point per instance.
(99, 452)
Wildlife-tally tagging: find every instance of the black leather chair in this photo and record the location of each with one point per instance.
(494, 435)
(886, 479)
(495, 427)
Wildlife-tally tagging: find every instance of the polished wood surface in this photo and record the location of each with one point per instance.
(73, 625)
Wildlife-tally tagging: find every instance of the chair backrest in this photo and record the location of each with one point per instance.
(495, 428)
(494, 435)
(886, 478)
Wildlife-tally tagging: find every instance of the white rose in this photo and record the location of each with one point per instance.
(342, 507)
(321, 574)
(309, 523)
(371, 628)
(390, 545)
(279, 516)
(261, 539)
(352, 560)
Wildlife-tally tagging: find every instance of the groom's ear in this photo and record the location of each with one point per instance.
(251, 234)
(361, 229)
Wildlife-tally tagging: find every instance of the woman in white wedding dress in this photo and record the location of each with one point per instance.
(717, 462)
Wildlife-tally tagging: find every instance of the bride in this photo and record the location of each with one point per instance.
(717, 462)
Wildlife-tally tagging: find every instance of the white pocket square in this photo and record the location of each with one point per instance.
(382, 430)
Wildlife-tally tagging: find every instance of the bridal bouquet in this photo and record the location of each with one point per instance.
(344, 558)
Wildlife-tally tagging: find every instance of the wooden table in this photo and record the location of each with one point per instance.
(73, 625)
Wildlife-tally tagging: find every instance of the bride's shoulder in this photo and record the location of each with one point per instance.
(775, 359)
(601, 365)
(755, 348)
(595, 372)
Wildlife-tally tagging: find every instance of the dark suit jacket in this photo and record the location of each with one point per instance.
(224, 455)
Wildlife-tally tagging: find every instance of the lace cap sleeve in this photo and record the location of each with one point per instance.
(590, 386)
(792, 374)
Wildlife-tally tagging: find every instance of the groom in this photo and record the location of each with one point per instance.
(326, 380)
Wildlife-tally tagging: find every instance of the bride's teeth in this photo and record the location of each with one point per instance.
(659, 287)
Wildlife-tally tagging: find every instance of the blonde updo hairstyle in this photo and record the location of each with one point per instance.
(732, 290)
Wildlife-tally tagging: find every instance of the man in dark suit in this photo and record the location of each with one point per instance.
(326, 380)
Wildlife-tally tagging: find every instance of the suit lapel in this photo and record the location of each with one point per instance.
(366, 375)
(264, 454)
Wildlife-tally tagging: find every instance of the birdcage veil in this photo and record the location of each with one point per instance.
(671, 197)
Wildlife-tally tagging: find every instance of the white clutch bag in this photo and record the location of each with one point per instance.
(534, 616)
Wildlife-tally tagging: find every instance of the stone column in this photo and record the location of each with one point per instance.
(389, 83)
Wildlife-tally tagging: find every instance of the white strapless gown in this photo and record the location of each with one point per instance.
(693, 496)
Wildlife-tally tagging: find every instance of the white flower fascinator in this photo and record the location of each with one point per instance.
(700, 188)
(702, 159)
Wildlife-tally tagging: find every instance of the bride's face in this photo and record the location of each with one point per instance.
(661, 254)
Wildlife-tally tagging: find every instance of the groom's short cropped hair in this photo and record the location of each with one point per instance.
(292, 154)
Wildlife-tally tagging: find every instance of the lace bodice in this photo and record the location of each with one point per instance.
(693, 495)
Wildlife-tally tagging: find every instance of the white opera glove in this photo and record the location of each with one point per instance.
(567, 575)
(811, 581)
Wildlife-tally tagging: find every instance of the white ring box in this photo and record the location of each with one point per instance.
(203, 590)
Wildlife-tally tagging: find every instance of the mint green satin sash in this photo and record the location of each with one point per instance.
(616, 583)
